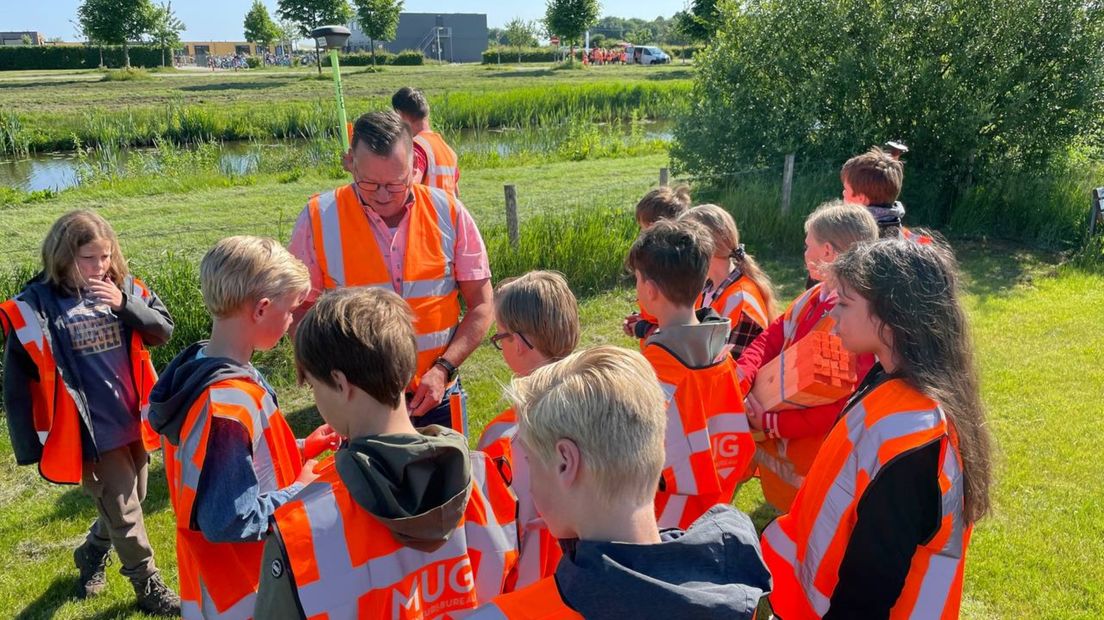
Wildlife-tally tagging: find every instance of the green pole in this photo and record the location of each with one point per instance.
(341, 118)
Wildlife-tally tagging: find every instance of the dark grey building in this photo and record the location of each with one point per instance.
(452, 37)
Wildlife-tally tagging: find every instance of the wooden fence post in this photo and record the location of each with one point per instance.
(511, 214)
(663, 177)
(787, 183)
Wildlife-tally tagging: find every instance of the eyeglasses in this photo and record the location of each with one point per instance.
(371, 186)
(497, 339)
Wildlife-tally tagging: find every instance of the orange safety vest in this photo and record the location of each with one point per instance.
(219, 580)
(441, 162)
(783, 462)
(908, 235)
(540, 601)
(54, 407)
(739, 298)
(708, 444)
(804, 548)
(540, 552)
(348, 255)
(346, 563)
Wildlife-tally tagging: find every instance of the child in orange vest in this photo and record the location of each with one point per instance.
(709, 444)
(881, 524)
(537, 321)
(736, 288)
(230, 457)
(793, 436)
(401, 522)
(77, 377)
(593, 425)
(662, 203)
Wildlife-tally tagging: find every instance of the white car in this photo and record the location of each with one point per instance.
(648, 55)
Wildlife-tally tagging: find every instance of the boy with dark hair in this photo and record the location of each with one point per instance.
(401, 522)
(709, 443)
(435, 163)
(661, 203)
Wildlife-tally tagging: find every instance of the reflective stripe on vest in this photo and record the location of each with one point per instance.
(441, 162)
(348, 254)
(540, 601)
(216, 579)
(742, 297)
(804, 548)
(347, 564)
(795, 314)
(54, 410)
(908, 235)
(539, 551)
(708, 443)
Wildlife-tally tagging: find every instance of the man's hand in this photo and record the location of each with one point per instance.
(754, 412)
(430, 391)
(105, 292)
(323, 438)
(629, 324)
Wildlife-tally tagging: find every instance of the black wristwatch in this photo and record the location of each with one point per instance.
(449, 368)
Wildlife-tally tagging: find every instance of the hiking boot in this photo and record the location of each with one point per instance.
(154, 597)
(92, 564)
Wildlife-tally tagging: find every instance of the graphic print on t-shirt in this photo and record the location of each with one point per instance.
(93, 329)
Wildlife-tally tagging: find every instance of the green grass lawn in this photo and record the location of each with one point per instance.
(1038, 555)
(74, 92)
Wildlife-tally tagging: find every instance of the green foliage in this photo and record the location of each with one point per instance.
(40, 57)
(409, 58)
(520, 34)
(978, 88)
(378, 19)
(126, 75)
(310, 14)
(699, 21)
(258, 25)
(570, 18)
(493, 55)
(363, 59)
(116, 21)
(165, 28)
(254, 62)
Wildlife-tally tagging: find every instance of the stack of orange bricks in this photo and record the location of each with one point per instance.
(815, 370)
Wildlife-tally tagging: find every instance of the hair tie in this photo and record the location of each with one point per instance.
(739, 253)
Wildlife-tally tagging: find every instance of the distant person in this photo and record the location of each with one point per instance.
(883, 519)
(435, 163)
(384, 230)
(77, 377)
(593, 425)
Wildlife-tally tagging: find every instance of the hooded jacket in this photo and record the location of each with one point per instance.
(714, 570)
(420, 488)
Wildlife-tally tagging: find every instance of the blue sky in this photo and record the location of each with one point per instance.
(221, 20)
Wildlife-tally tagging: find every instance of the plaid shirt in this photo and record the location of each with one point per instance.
(743, 334)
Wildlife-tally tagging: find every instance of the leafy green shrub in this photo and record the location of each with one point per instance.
(495, 55)
(126, 75)
(252, 62)
(75, 57)
(409, 58)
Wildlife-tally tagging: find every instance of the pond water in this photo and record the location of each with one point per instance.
(58, 171)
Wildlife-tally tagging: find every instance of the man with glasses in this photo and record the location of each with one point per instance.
(383, 230)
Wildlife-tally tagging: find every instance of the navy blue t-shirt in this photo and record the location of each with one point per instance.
(102, 357)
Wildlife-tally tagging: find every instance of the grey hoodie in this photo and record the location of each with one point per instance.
(714, 569)
(416, 485)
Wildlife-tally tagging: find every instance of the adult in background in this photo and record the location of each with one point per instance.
(384, 230)
(435, 162)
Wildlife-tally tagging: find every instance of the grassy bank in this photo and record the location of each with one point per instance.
(189, 107)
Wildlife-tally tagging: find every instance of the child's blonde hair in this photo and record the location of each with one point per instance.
(63, 243)
(841, 224)
(726, 244)
(662, 203)
(609, 402)
(540, 305)
(245, 269)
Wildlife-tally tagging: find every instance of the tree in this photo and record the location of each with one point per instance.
(699, 22)
(310, 14)
(519, 34)
(165, 28)
(289, 32)
(496, 36)
(116, 22)
(26, 39)
(259, 27)
(378, 19)
(981, 90)
(643, 36)
(570, 18)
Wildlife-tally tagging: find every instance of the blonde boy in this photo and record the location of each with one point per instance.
(537, 321)
(708, 443)
(401, 523)
(593, 425)
(230, 457)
